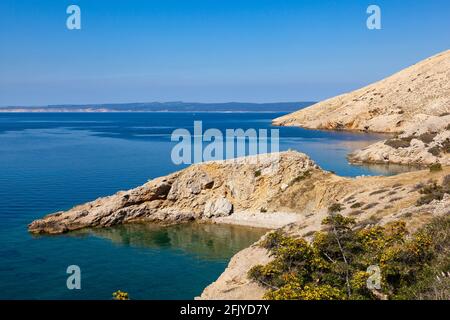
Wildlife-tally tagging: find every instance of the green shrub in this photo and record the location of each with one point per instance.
(335, 207)
(427, 137)
(435, 167)
(120, 295)
(433, 191)
(446, 145)
(435, 151)
(399, 143)
(334, 265)
(302, 176)
(357, 205)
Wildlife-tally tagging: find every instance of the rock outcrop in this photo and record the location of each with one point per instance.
(287, 188)
(404, 103)
(203, 192)
(424, 142)
(218, 208)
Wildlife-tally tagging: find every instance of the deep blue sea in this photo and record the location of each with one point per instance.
(53, 161)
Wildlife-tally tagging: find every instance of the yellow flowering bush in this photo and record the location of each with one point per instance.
(335, 264)
(120, 295)
(321, 292)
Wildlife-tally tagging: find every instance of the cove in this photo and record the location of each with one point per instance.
(54, 161)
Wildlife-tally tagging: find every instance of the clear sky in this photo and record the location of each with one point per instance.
(208, 50)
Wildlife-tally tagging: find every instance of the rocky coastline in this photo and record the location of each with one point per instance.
(413, 104)
(290, 191)
(287, 191)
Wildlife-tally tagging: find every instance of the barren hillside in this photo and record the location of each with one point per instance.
(389, 105)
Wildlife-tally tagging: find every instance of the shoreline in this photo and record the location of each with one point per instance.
(295, 198)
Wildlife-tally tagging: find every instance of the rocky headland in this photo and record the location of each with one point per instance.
(413, 105)
(286, 190)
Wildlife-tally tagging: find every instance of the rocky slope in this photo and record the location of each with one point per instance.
(370, 200)
(389, 105)
(424, 142)
(400, 104)
(277, 190)
(204, 192)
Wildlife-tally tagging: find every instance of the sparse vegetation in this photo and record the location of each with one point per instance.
(370, 206)
(427, 137)
(435, 151)
(355, 213)
(335, 207)
(438, 149)
(357, 205)
(300, 177)
(377, 192)
(435, 167)
(399, 142)
(433, 191)
(446, 145)
(407, 215)
(352, 197)
(372, 220)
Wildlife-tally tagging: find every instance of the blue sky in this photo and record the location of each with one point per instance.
(208, 50)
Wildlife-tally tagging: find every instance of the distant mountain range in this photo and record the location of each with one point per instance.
(166, 107)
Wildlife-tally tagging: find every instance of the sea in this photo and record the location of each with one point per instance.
(52, 161)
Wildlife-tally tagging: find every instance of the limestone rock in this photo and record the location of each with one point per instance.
(207, 189)
(424, 142)
(388, 105)
(412, 103)
(218, 208)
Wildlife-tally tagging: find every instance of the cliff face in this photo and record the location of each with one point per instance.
(389, 105)
(206, 192)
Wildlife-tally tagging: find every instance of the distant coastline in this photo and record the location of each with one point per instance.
(165, 107)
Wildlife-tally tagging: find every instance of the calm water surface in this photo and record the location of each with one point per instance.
(51, 162)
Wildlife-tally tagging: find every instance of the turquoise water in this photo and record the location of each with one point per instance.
(51, 162)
